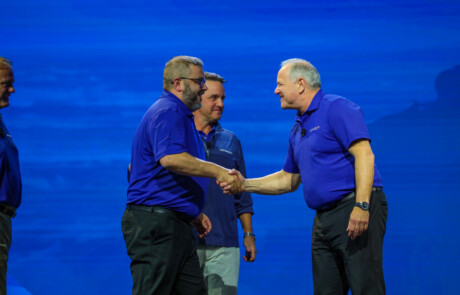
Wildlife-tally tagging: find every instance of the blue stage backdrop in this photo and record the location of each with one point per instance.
(86, 71)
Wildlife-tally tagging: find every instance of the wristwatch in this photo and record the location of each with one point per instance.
(363, 205)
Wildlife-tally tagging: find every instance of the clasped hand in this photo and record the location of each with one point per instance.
(231, 183)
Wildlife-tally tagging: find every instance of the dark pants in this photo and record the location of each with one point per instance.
(339, 263)
(5, 243)
(163, 253)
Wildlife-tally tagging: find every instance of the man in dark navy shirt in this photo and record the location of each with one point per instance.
(167, 186)
(10, 176)
(329, 152)
(219, 251)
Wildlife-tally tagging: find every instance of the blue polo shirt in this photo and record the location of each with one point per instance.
(167, 128)
(318, 149)
(224, 149)
(10, 175)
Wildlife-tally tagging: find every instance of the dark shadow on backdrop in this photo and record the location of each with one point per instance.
(424, 135)
(418, 154)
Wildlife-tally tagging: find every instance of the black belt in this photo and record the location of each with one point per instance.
(158, 210)
(352, 194)
(346, 198)
(8, 210)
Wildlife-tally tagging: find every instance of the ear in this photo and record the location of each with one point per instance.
(177, 85)
(301, 85)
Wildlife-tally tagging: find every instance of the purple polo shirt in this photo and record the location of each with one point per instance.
(330, 124)
(167, 128)
(10, 175)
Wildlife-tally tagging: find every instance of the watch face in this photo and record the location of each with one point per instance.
(363, 205)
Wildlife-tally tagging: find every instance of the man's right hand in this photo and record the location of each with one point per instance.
(231, 180)
(232, 187)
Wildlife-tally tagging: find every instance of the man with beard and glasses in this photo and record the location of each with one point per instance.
(167, 186)
(10, 176)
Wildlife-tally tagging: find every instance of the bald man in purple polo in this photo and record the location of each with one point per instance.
(330, 154)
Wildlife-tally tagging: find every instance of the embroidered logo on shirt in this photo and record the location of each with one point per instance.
(314, 128)
(225, 151)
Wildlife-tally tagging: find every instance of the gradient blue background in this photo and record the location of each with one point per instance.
(86, 71)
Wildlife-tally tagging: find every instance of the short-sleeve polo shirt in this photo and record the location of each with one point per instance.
(167, 128)
(318, 149)
(10, 175)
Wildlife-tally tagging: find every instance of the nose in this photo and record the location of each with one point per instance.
(12, 90)
(277, 91)
(220, 103)
(205, 87)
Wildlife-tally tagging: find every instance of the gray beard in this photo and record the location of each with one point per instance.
(191, 99)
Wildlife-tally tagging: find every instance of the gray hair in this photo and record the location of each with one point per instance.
(300, 68)
(5, 64)
(214, 77)
(178, 66)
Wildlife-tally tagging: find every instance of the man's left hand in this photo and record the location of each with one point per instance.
(203, 225)
(250, 245)
(359, 221)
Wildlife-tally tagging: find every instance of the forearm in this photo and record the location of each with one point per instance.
(274, 184)
(364, 176)
(246, 222)
(186, 164)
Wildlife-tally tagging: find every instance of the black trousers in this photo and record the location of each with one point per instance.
(339, 263)
(162, 249)
(5, 243)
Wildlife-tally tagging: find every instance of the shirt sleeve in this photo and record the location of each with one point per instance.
(289, 164)
(347, 121)
(167, 134)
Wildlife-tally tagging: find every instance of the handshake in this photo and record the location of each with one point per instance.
(231, 182)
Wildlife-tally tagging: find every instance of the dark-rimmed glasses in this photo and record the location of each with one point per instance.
(200, 82)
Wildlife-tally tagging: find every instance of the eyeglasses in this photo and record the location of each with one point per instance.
(200, 82)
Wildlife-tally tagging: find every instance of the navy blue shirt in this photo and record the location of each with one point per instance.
(167, 128)
(318, 149)
(10, 175)
(224, 149)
